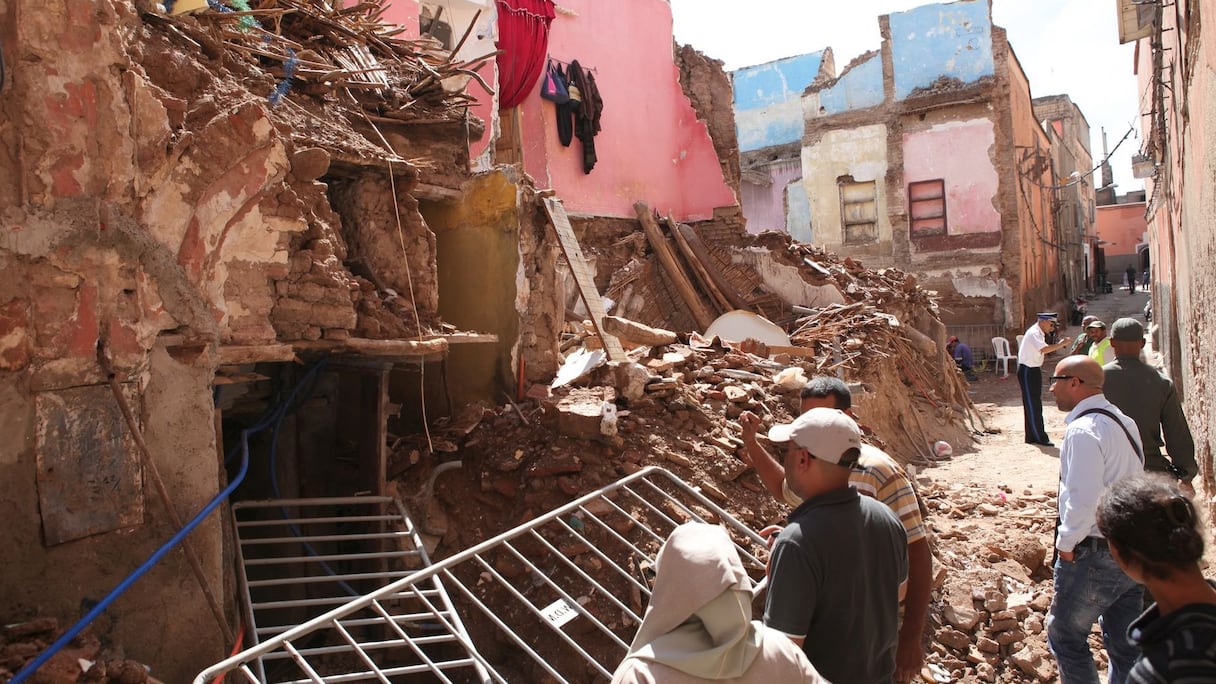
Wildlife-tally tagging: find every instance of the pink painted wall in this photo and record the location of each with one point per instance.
(764, 206)
(652, 146)
(404, 13)
(1121, 227)
(958, 153)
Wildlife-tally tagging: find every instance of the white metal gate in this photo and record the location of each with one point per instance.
(555, 599)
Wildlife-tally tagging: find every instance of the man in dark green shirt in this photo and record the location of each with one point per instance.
(1149, 398)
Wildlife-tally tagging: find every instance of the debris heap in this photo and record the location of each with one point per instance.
(344, 59)
(82, 660)
(992, 587)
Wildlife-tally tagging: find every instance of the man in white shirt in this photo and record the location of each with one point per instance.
(1101, 446)
(1030, 375)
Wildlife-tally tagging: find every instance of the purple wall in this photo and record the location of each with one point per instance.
(764, 207)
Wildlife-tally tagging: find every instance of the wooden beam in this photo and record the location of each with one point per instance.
(235, 355)
(683, 286)
(582, 275)
(382, 349)
(702, 253)
(801, 352)
(698, 268)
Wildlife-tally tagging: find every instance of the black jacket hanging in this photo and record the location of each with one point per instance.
(587, 112)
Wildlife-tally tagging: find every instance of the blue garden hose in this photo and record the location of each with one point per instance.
(273, 419)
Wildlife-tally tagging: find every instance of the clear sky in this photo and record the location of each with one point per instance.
(1065, 46)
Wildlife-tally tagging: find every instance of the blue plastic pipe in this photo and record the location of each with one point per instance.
(176, 539)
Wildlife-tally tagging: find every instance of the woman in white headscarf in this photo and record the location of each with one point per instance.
(698, 626)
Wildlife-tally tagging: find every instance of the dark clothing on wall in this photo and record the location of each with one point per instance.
(586, 112)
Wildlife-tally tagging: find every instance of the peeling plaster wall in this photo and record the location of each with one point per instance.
(859, 87)
(162, 213)
(478, 244)
(941, 41)
(1041, 282)
(652, 146)
(786, 281)
(970, 179)
(765, 206)
(859, 152)
(768, 99)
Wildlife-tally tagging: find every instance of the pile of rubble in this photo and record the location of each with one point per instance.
(343, 59)
(81, 661)
(992, 584)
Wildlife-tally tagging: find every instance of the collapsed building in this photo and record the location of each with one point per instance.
(294, 253)
(854, 161)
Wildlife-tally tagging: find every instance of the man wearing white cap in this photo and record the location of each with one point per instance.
(1030, 375)
(835, 570)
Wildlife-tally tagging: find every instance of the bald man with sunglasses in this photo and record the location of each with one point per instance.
(1101, 446)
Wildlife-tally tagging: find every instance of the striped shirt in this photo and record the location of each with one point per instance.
(878, 476)
(1179, 648)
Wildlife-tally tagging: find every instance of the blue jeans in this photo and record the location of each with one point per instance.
(1088, 589)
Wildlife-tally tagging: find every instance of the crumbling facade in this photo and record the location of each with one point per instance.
(1174, 60)
(978, 224)
(1073, 189)
(195, 204)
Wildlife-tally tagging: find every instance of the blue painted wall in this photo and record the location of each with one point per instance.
(858, 88)
(952, 40)
(768, 100)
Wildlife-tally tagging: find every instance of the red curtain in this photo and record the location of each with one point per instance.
(523, 37)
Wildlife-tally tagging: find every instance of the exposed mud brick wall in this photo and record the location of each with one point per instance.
(145, 193)
(376, 228)
(539, 299)
(708, 87)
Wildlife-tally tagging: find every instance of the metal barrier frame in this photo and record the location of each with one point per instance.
(597, 551)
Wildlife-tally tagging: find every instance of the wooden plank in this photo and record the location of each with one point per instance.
(582, 276)
(235, 355)
(684, 287)
(383, 349)
(702, 252)
(802, 352)
(698, 268)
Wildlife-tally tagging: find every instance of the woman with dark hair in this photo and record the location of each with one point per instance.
(1154, 535)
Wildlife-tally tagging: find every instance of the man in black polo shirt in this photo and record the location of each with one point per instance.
(835, 570)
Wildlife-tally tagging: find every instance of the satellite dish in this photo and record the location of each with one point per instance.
(736, 326)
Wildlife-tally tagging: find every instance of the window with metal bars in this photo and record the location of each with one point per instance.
(927, 207)
(858, 210)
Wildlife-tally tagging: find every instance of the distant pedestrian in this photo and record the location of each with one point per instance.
(1099, 349)
(1101, 446)
(1030, 375)
(962, 357)
(1131, 279)
(1150, 399)
(1154, 535)
(1082, 342)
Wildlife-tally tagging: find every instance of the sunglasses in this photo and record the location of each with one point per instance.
(1066, 377)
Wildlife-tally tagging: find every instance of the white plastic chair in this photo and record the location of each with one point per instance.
(1018, 341)
(1000, 347)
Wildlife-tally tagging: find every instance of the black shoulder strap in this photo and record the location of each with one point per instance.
(1122, 427)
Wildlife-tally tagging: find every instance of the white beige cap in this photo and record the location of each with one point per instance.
(827, 433)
